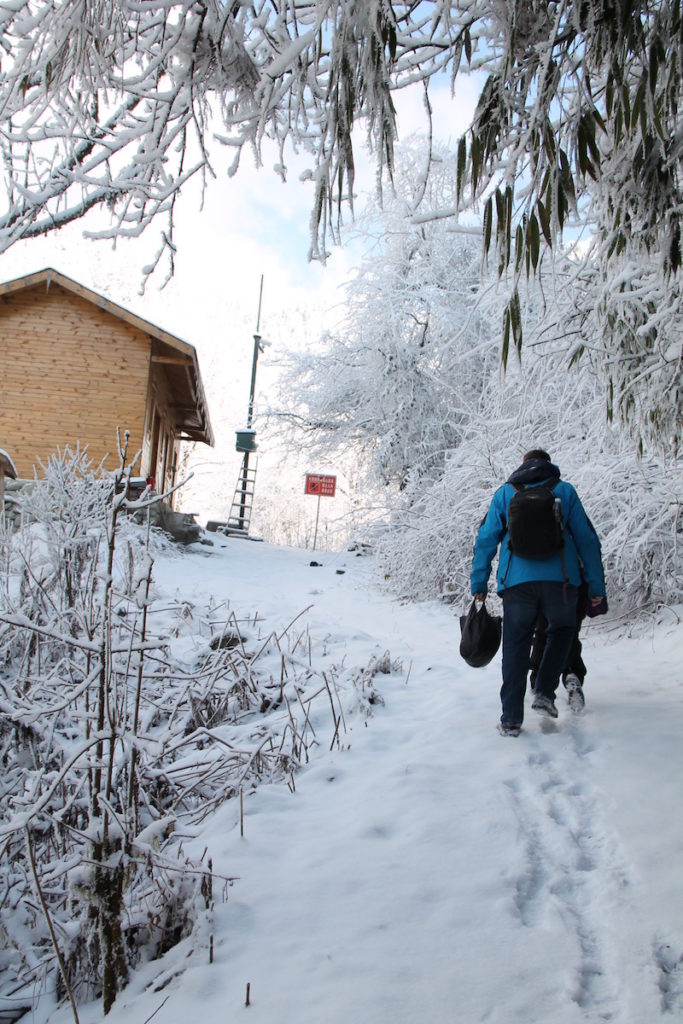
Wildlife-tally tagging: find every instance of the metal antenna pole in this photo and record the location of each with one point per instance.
(257, 349)
(260, 296)
(250, 409)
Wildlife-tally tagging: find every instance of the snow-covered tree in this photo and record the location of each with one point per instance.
(116, 102)
(395, 384)
(115, 87)
(412, 386)
(628, 325)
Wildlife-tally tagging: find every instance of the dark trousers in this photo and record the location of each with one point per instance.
(522, 605)
(574, 664)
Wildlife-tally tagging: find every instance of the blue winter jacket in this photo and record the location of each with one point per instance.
(579, 557)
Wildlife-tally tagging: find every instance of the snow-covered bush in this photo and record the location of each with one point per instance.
(74, 650)
(116, 734)
(635, 503)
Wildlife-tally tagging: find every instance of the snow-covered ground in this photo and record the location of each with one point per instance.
(431, 870)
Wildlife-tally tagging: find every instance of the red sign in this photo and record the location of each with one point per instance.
(323, 486)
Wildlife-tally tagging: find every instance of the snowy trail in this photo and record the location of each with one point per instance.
(574, 872)
(432, 870)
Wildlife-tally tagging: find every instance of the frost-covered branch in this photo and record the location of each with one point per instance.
(578, 124)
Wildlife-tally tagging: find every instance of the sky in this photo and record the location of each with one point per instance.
(426, 869)
(250, 227)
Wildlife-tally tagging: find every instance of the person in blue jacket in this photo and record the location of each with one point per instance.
(532, 587)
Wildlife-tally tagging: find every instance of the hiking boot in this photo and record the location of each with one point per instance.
(507, 729)
(544, 706)
(575, 697)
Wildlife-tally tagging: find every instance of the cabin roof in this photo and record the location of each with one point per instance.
(179, 358)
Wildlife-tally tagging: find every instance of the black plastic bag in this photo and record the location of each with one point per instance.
(481, 635)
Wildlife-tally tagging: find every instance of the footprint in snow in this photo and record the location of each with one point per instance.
(572, 866)
(669, 964)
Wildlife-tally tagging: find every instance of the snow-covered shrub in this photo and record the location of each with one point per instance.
(124, 721)
(72, 636)
(635, 503)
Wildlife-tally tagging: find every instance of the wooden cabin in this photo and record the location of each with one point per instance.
(74, 366)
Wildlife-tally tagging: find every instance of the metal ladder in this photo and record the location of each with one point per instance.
(242, 502)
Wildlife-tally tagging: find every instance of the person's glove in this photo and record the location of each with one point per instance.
(596, 606)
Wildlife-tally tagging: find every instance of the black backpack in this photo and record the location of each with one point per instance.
(535, 522)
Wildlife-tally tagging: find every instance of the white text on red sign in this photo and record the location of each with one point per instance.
(323, 486)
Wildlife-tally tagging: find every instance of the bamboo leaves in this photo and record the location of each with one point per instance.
(578, 115)
(512, 325)
(461, 165)
(553, 119)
